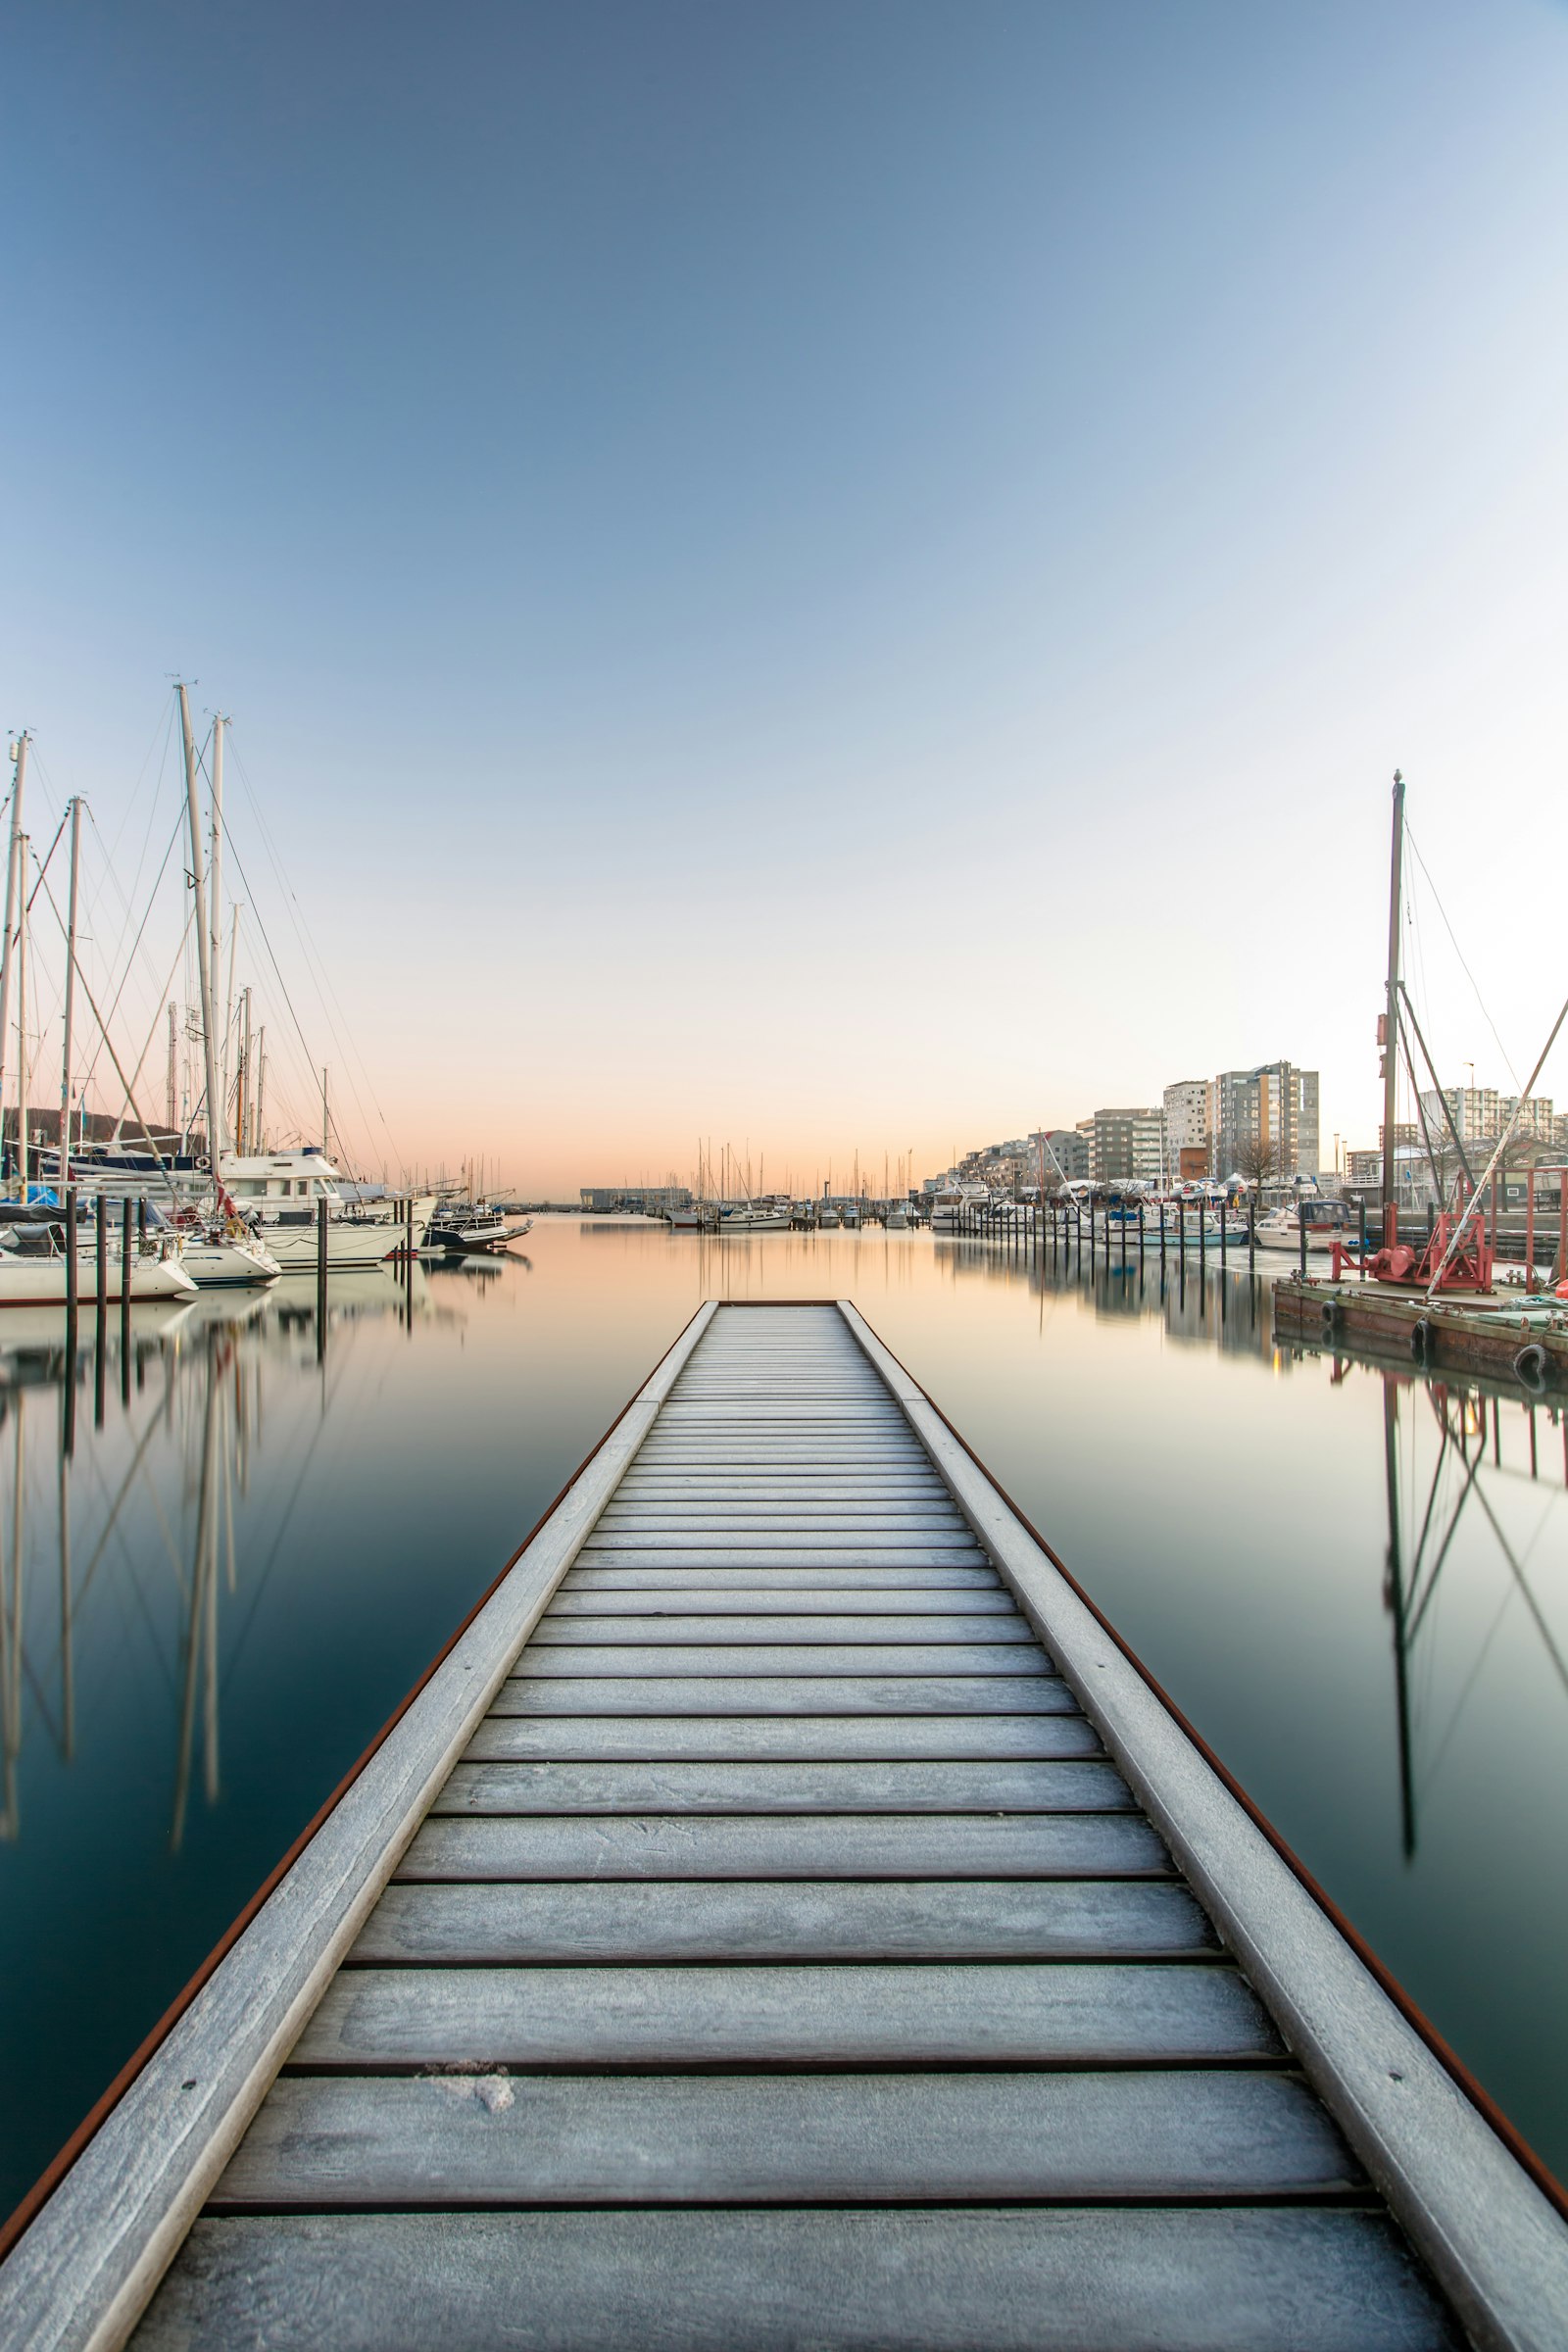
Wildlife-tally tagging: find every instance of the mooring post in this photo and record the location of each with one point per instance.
(101, 1328)
(1181, 1228)
(1162, 1233)
(1251, 1231)
(71, 1269)
(1140, 1233)
(1530, 1228)
(1224, 1220)
(1300, 1219)
(320, 1279)
(124, 1300)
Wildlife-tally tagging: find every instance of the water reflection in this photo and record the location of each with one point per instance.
(232, 1534)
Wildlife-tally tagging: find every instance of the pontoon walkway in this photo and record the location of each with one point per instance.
(787, 1917)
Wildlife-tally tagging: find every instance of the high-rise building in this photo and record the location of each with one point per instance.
(1480, 1114)
(1126, 1145)
(1187, 1127)
(1273, 1107)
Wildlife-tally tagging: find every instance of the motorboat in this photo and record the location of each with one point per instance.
(754, 1218)
(896, 1219)
(1326, 1221)
(827, 1218)
(461, 1227)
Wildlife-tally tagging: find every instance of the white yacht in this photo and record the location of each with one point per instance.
(279, 1194)
(756, 1217)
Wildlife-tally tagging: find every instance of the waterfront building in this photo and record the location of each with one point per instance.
(1273, 1107)
(1065, 1154)
(1480, 1114)
(635, 1199)
(1126, 1146)
(1187, 1107)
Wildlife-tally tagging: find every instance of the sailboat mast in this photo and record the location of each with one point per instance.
(204, 944)
(68, 1013)
(14, 876)
(215, 904)
(21, 1016)
(1390, 1024)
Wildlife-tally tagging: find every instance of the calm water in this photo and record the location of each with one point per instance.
(1354, 1581)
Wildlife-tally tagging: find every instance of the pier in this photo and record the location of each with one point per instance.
(785, 1915)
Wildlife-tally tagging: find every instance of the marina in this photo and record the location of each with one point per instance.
(894, 1273)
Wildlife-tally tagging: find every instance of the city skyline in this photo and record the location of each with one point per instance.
(847, 580)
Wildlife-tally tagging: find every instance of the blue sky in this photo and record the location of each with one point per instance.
(853, 575)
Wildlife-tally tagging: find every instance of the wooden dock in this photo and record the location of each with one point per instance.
(788, 1918)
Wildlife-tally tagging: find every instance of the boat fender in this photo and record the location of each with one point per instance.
(1333, 1313)
(1529, 1367)
(1421, 1337)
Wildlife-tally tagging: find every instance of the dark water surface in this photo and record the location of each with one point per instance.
(1354, 1581)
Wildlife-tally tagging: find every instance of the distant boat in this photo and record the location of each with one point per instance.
(896, 1219)
(827, 1217)
(464, 1227)
(755, 1219)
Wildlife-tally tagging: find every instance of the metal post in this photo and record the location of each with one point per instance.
(16, 880)
(1202, 1236)
(71, 1269)
(1300, 1219)
(100, 1332)
(1361, 1266)
(1140, 1233)
(320, 1278)
(141, 1222)
(1162, 1233)
(1530, 1226)
(125, 1299)
(1224, 1220)
(1251, 1231)
(1181, 1226)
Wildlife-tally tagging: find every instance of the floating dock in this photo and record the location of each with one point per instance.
(786, 1917)
(1500, 1332)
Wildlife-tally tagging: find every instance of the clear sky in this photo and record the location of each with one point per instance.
(848, 577)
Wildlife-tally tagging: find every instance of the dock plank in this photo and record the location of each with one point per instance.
(864, 2139)
(544, 1661)
(1018, 2279)
(697, 1623)
(773, 1787)
(847, 1738)
(821, 1845)
(650, 1921)
(780, 1693)
(1065, 2012)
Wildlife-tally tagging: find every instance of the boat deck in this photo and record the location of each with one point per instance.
(785, 1948)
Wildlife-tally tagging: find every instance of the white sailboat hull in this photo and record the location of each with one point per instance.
(41, 1280)
(349, 1243)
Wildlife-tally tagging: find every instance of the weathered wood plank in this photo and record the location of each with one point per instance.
(556, 1738)
(701, 1625)
(1013, 2279)
(741, 1554)
(1109, 2013)
(650, 1921)
(800, 1846)
(541, 1661)
(770, 1603)
(786, 1695)
(781, 1579)
(873, 1544)
(778, 1785)
(863, 2139)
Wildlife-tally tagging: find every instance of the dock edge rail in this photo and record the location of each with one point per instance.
(83, 2271)
(1492, 2239)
